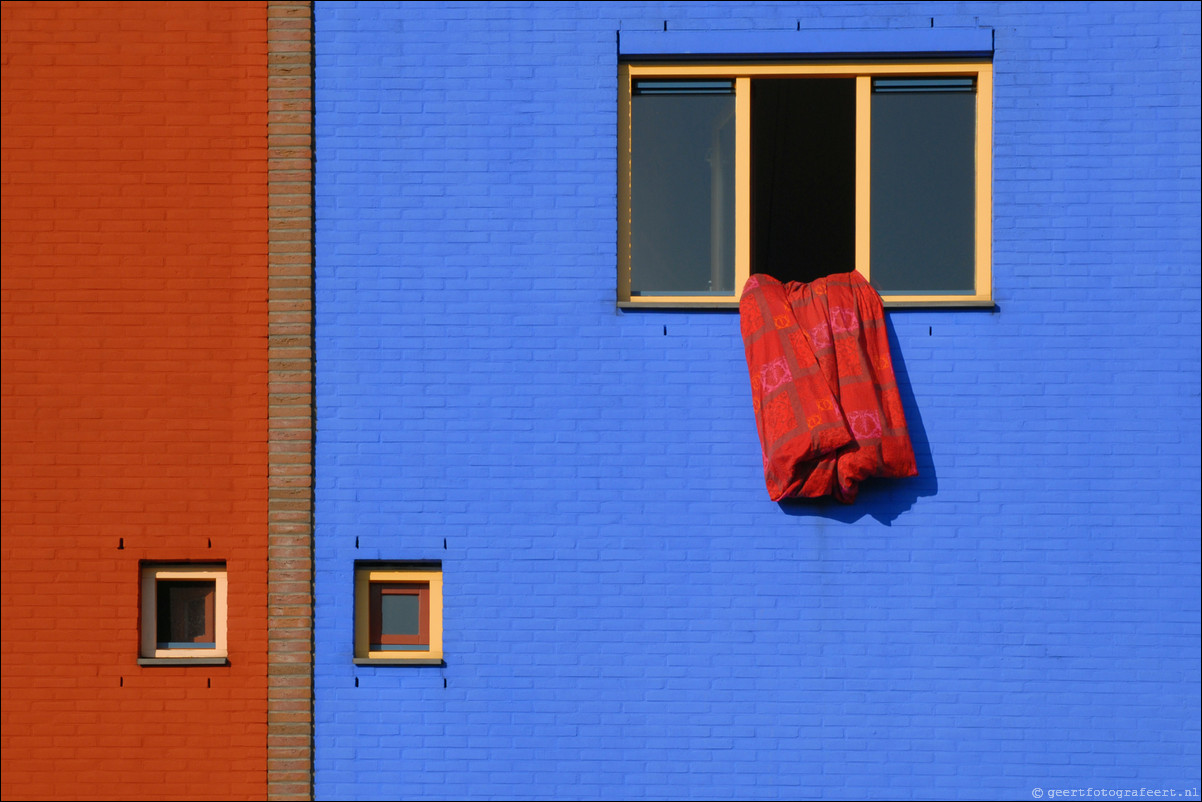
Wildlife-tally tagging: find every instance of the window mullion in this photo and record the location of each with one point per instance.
(742, 182)
(863, 174)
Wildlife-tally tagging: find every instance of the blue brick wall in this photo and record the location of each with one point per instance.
(627, 614)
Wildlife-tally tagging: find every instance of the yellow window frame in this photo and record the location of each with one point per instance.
(364, 578)
(863, 73)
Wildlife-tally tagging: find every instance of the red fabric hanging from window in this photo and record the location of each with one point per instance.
(826, 402)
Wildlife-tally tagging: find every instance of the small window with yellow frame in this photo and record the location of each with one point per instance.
(398, 614)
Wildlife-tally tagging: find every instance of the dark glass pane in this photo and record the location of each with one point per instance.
(682, 193)
(683, 87)
(803, 167)
(184, 616)
(923, 84)
(400, 614)
(923, 191)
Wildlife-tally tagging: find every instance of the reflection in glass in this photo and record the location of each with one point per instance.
(923, 185)
(682, 188)
(400, 614)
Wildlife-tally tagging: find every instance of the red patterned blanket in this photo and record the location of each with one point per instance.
(826, 401)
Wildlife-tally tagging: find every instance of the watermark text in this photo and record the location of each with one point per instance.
(1114, 793)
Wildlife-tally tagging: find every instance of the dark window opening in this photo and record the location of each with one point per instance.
(803, 177)
(185, 614)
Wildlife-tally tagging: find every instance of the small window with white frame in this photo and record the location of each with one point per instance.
(183, 614)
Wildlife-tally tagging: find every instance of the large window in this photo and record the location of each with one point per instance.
(801, 171)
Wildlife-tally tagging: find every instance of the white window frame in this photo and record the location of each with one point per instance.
(152, 574)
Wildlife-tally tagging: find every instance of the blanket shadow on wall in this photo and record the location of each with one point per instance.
(883, 499)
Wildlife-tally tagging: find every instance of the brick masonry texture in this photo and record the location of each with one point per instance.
(290, 315)
(135, 413)
(627, 615)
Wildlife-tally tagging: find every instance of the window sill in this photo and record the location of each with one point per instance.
(734, 306)
(679, 305)
(935, 303)
(417, 661)
(183, 661)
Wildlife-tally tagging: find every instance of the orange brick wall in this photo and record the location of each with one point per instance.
(135, 405)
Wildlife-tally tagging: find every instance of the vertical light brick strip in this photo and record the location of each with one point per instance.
(290, 300)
